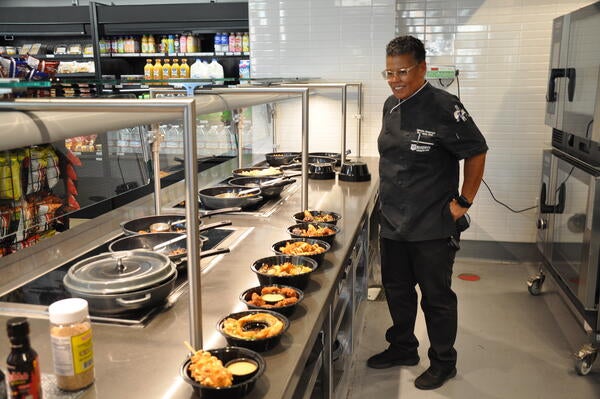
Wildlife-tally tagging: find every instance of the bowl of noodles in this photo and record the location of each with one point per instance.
(229, 372)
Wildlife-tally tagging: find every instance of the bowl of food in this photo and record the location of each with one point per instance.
(278, 298)
(309, 247)
(321, 231)
(293, 271)
(317, 217)
(258, 330)
(229, 372)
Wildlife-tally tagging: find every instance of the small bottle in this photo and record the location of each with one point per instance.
(145, 44)
(166, 69)
(238, 42)
(245, 42)
(151, 44)
(176, 44)
(183, 43)
(175, 69)
(217, 42)
(120, 45)
(164, 45)
(231, 42)
(71, 341)
(23, 365)
(149, 70)
(157, 71)
(191, 44)
(3, 391)
(184, 69)
(170, 44)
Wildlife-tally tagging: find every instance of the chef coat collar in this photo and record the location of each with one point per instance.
(409, 97)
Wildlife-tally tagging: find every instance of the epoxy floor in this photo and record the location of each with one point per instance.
(510, 344)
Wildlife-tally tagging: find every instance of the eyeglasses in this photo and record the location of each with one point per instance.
(387, 74)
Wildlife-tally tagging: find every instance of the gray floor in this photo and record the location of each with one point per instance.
(510, 344)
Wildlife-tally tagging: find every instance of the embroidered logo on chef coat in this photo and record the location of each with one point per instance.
(421, 144)
(460, 114)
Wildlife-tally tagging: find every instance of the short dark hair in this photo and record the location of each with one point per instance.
(406, 45)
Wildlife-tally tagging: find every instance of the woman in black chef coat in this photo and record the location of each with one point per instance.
(426, 132)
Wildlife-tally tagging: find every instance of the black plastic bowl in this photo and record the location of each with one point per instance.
(328, 239)
(259, 345)
(318, 257)
(288, 310)
(298, 281)
(241, 386)
(299, 216)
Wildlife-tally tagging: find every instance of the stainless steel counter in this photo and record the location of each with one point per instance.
(144, 362)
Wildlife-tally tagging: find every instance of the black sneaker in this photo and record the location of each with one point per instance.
(434, 378)
(389, 358)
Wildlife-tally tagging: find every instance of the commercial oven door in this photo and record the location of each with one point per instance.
(556, 72)
(575, 233)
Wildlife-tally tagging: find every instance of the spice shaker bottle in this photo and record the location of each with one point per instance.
(71, 341)
(23, 366)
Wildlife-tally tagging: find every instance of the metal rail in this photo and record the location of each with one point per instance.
(187, 106)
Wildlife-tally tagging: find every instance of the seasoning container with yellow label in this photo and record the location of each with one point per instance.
(71, 339)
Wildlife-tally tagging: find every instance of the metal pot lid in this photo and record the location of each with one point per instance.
(118, 272)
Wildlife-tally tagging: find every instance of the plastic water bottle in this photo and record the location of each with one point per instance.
(217, 42)
(224, 42)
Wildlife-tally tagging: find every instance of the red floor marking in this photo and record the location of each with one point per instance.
(469, 277)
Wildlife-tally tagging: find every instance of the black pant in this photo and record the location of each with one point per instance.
(429, 264)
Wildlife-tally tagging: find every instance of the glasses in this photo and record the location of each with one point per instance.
(398, 73)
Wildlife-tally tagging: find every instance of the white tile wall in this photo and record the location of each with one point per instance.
(501, 48)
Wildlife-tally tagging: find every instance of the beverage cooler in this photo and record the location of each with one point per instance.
(568, 223)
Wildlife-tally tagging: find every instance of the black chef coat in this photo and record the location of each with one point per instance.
(421, 142)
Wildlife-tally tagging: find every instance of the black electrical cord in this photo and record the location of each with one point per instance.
(503, 204)
(587, 128)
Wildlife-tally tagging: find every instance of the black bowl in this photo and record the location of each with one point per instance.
(240, 387)
(299, 216)
(304, 226)
(321, 171)
(259, 345)
(288, 310)
(298, 281)
(355, 171)
(317, 257)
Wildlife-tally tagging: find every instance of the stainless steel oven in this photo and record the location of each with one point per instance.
(573, 94)
(569, 240)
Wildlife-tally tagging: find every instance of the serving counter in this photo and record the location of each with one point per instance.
(145, 362)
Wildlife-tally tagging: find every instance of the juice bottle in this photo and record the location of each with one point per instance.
(151, 44)
(231, 42)
(149, 70)
(183, 43)
(170, 44)
(184, 69)
(145, 44)
(120, 45)
(175, 69)
(191, 44)
(245, 42)
(164, 45)
(166, 69)
(238, 42)
(157, 71)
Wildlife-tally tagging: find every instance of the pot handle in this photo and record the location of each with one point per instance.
(130, 302)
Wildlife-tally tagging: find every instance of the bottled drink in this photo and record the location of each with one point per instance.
(145, 44)
(24, 377)
(151, 44)
(183, 43)
(191, 44)
(166, 70)
(71, 341)
(245, 42)
(176, 43)
(238, 42)
(232, 42)
(170, 44)
(217, 42)
(175, 69)
(3, 391)
(157, 70)
(184, 69)
(164, 45)
(149, 70)
(120, 45)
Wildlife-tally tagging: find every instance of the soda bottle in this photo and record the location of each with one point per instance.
(175, 69)
(184, 69)
(24, 376)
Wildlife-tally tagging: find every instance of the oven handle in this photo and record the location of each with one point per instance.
(558, 208)
(570, 74)
(554, 74)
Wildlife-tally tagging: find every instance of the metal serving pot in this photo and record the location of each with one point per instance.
(208, 196)
(135, 226)
(118, 282)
